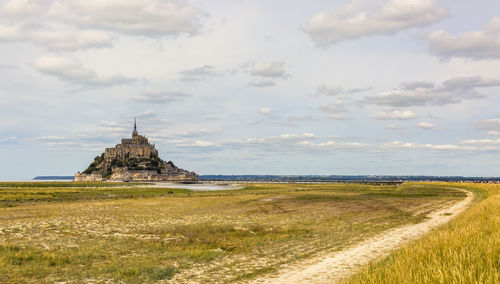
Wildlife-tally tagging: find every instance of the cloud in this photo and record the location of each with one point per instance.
(273, 69)
(334, 109)
(475, 45)
(329, 90)
(262, 83)
(281, 143)
(51, 138)
(198, 73)
(481, 142)
(358, 90)
(75, 73)
(294, 142)
(8, 139)
(417, 85)
(72, 25)
(156, 97)
(198, 144)
(395, 115)
(333, 145)
(450, 91)
(265, 111)
(8, 67)
(153, 18)
(354, 20)
(194, 133)
(61, 39)
(487, 124)
(283, 137)
(394, 127)
(147, 114)
(333, 90)
(21, 8)
(292, 121)
(426, 125)
(494, 133)
(409, 145)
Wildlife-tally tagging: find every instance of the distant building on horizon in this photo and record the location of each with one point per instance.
(133, 160)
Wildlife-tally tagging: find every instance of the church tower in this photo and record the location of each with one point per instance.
(135, 134)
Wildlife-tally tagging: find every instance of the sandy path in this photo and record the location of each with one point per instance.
(341, 264)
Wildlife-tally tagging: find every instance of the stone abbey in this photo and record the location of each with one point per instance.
(133, 160)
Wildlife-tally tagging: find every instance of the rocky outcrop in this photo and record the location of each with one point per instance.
(134, 160)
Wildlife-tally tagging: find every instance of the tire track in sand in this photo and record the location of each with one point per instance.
(341, 264)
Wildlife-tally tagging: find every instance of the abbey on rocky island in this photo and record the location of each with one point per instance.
(134, 160)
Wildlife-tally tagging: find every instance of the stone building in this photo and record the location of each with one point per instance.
(133, 160)
(138, 147)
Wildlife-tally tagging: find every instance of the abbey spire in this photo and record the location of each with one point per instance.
(135, 133)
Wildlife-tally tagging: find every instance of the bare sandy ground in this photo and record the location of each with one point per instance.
(335, 266)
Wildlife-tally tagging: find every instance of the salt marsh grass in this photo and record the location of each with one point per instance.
(135, 234)
(466, 250)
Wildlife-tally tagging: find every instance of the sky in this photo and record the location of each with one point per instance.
(398, 87)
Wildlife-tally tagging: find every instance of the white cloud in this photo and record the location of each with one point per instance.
(273, 69)
(417, 85)
(51, 138)
(262, 83)
(292, 121)
(334, 109)
(394, 127)
(426, 125)
(355, 20)
(198, 73)
(71, 25)
(333, 145)
(156, 97)
(494, 133)
(487, 124)
(147, 114)
(336, 116)
(265, 111)
(293, 142)
(61, 39)
(329, 90)
(476, 45)
(21, 8)
(395, 115)
(153, 18)
(451, 91)
(198, 144)
(482, 142)
(8, 139)
(74, 72)
(194, 133)
(409, 145)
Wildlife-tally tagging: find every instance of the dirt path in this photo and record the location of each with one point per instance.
(341, 264)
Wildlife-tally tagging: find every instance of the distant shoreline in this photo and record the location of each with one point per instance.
(314, 178)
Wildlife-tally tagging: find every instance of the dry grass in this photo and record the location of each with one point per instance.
(467, 250)
(218, 236)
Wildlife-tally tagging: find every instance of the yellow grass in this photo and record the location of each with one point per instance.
(466, 250)
(145, 235)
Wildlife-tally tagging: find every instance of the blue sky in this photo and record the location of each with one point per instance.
(253, 87)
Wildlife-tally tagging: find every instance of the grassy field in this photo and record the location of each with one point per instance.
(466, 250)
(15, 193)
(135, 234)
